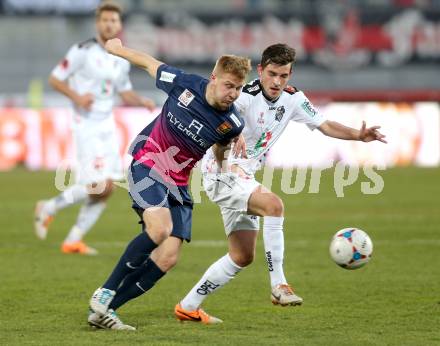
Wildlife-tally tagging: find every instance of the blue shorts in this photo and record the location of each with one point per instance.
(147, 190)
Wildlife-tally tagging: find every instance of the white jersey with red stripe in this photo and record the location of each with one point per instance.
(90, 69)
(265, 121)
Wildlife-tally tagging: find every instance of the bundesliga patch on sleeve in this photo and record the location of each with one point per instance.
(167, 76)
(308, 108)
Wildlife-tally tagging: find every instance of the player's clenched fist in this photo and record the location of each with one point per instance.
(112, 46)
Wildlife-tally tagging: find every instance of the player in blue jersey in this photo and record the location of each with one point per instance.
(198, 114)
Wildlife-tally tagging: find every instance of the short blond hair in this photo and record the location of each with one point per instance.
(108, 6)
(237, 65)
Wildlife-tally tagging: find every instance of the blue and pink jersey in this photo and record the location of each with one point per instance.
(186, 127)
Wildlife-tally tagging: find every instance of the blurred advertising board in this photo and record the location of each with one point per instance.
(41, 140)
(339, 40)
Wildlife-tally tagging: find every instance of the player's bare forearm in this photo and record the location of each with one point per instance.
(143, 60)
(337, 130)
(132, 98)
(239, 148)
(220, 154)
(83, 101)
(63, 88)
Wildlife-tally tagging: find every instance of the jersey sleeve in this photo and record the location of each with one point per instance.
(305, 112)
(168, 77)
(123, 83)
(237, 128)
(242, 103)
(73, 60)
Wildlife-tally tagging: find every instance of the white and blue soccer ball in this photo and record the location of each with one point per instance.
(351, 248)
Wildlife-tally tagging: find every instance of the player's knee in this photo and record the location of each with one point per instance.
(158, 233)
(101, 191)
(243, 259)
(274, 207)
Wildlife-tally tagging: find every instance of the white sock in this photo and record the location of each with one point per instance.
(72, 195)
(87, 217)
(273, 238)
(217, 275)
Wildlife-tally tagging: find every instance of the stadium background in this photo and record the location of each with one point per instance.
(373, 60)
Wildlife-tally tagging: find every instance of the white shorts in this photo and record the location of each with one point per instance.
(97, 151)
(231, 193)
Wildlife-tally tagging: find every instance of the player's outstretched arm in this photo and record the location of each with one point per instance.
(132, 98)
(337, 130)
(143, 60)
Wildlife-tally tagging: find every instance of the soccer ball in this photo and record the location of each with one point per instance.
(351, 248)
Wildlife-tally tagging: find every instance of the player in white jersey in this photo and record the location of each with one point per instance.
(90, 78)
(267, 105)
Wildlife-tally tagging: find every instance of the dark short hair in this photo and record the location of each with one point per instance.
(278, 54)
(108, 6)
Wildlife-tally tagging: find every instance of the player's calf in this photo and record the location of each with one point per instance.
(100, 191)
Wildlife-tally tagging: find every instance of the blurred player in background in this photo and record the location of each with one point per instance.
(90, 77)
(198, 113)
(267, 105)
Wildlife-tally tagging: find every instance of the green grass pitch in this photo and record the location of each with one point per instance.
(394, 300)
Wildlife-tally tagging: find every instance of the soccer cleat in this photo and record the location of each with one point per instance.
(109, 321)
(78, 247)
(101, 299)
(283, 295)
(195, 316)
(42, 220)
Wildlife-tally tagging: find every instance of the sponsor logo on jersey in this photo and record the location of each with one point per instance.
(186, 97)
(308, 108)
(189, 130)
(254, 88)
(167, 77)
(280, 113)
(224, 128)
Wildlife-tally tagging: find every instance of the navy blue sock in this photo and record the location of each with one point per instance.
(137, 283)
(135, 254)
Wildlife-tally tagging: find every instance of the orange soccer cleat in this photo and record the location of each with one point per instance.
(78, 247)
(195, 316)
